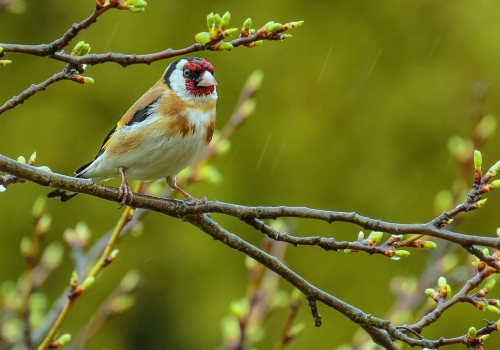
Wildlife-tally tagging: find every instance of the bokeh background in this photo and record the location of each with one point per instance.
(355, 114)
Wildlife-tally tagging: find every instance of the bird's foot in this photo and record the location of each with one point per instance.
(126, 194)
(194, 201)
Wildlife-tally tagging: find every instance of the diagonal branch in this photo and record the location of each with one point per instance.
(179, 209)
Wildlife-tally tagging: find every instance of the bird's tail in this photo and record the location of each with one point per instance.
(67, 195)
(62, 195)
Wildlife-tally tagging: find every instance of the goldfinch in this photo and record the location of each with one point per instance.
(161, 134)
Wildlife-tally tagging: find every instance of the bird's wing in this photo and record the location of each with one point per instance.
(140, 111)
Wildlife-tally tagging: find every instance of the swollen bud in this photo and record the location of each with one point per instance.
(21, 159)
(39, 207)
(26, 247)
(478, 159)
(218, 20)
(210, 20)
(80, 49)
(202, 38)
(490, 284)
(429, 245)
(88, 283)
(225, 19)
(73, 282)
(225, 46)
(231, 31)
(494, 169)
(472, 332)
(442, 282)
(3, 63)
(493, 309)
(274, 27)
(402, 253)
(247, 24)
(297, 24)
(64, 339)
(479, 204)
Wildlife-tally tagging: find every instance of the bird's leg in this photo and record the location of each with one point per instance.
(172, 183)
(126, 194)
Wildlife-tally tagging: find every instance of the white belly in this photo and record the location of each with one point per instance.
(157, 157)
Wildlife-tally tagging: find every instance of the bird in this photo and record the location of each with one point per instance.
(165, 130)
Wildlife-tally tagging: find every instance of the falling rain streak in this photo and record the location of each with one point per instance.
(264, 150)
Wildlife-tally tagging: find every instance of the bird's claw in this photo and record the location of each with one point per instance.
(195, 201)
(125, 194)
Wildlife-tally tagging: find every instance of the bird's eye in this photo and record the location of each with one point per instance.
(186, 73)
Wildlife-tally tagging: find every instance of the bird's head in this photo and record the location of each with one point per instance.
(191, 77)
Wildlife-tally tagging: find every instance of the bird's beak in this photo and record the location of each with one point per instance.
(207, 79)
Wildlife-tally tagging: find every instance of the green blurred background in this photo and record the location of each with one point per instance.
(355, 114)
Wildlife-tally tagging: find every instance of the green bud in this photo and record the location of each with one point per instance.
(231, 31)
(280, 299)
(442, 282)
(45, 168)
(64, 339)
(429, 245)
(88, 81)
(252, 31)
(493, 309)
(296, 330)
(402, 253)
(494, 169)
(376, 236)
(479, 204)
(296, 295)
(258, 42)
(297, 24)
(486, 126)
(80, 49)
(26, 246)
(484, 337)
(73, 282)
(44, 224)
(274, 27)
(210, 20)
(82, 231)
(130, 281)
(498, 232)
(254, 81)
(348, 251)
(53, 255)
(210, 174)
(114, 254)
(39, 207)
(457, 146)
(21, 159)
(32, 159)
(1, 50)
(225, 19)
(490, 284)
(496, 184)
(486, 252)
(3, 63)
(136, 9)
(478, 159)
(122, 303)
(240, 307)
(286, 36)
(250, 263)
(248, 107)
(429, 291)
(88, 283)
(202, 38)
(225, 46)
(218, 21)
(247, 24)
(138, 3)
(230, 329)
(472, 332)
